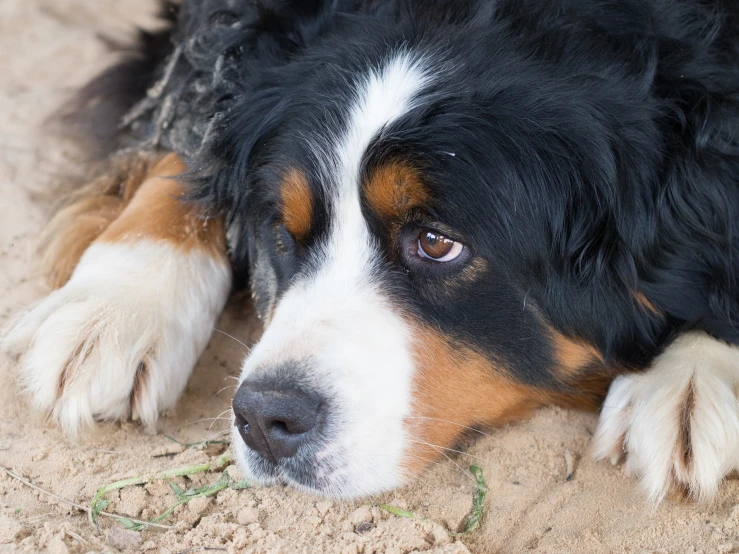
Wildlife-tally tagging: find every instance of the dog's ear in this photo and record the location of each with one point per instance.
(660, 216)
(695, 276)
(693, 272)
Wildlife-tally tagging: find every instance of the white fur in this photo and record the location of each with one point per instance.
(643, 416)
(125, 304)
(338, 318)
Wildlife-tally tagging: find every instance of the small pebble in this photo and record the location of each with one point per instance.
(360, 515)
(199, 505)
(247, 516)
(441, 536)
(364, 527)
(315, 521)
(123, 539)
(10, 529)
(323, 507)
(56, 546)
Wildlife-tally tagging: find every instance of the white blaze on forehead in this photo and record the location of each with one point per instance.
(338, 316)
(383, 97)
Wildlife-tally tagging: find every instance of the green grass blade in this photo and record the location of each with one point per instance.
(400, 512)
(97, 500)
(473, 519)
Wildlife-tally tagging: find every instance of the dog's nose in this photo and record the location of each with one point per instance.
(275, 419)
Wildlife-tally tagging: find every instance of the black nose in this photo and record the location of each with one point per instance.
(274, 419)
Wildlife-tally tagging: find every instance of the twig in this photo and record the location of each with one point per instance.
(74, 504)
(569, 465)
(75, 536)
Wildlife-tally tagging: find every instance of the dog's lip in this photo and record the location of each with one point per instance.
(317, 479)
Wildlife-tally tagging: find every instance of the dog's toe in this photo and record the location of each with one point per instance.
(678, 423)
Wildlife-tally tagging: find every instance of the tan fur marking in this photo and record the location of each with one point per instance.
(87, 219)
(645, 304)
(88, 213)
(393, 190)
(157, 212)
(297, 204)
(573, 356)
(586, 391)
(455, 388)
(581, 368)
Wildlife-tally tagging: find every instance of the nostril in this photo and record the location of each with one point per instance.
(281, 427)
(242, 426)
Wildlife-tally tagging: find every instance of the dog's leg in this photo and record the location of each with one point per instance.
(121, 336)
(678, 423)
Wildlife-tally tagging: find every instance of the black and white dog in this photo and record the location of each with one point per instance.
(449, 212)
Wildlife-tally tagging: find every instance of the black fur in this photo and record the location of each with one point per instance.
(595, 142)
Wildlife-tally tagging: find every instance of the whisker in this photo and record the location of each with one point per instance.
(234, 338)
(445, 448)
(207, 419)
(223, 432)
(219, 418)
(224, 388)
(427, 460)
(451, 423)
(210, 427)
(459, 467)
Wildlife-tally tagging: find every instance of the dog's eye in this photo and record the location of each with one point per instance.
(437, 247)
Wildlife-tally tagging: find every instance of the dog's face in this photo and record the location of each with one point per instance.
(393, 257)
(425, 234)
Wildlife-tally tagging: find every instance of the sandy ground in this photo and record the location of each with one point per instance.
(47, 48)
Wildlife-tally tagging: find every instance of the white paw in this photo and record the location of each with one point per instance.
(678, 423)
(121, 337)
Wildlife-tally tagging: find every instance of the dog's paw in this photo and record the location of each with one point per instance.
(121, 337)
(678, 423)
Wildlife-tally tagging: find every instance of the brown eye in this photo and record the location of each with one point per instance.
(437, 247)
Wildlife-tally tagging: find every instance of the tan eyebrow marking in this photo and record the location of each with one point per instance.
(394, 189)
(297, 204)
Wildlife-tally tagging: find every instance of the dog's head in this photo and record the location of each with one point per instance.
(423, 215)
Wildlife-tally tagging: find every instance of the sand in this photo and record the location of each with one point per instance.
(47, 48)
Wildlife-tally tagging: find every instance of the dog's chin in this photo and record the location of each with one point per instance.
(327, 478)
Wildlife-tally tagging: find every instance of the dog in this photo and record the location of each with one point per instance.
(448, 213)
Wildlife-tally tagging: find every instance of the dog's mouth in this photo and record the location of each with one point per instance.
(310, 469)
(283, 432)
